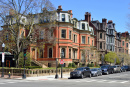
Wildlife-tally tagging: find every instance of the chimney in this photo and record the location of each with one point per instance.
(110, 21)
(104, 20)
(88, 17)
(70, 11)
(59, 8)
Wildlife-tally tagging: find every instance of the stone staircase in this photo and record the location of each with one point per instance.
(39, 64)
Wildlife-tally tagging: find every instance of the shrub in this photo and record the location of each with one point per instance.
(97, 65)
(92, 65)
(73, 65)
(89, 65)
(59, 65)
(21, 60)
(70, 65)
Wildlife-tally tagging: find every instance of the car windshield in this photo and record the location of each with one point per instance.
(122, 67)
(114, 66)
(79, 69)
(103, 66)
(125, 66)
(93, 69)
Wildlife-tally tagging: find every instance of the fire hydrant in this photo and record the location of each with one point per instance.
(9, 74)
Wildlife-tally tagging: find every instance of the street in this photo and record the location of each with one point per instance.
(112, 80)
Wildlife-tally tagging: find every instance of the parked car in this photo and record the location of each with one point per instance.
(123, 69)
(127, 67)
(81, 72)
(117, 68)
(96, 72)
(107, 69)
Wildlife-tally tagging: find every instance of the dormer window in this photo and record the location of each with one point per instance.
(83, 26)
(63, 17)
(109, 26)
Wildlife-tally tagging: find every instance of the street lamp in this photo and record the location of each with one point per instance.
(24, 54)
(56, 76)
(3, 46)
(62, 56)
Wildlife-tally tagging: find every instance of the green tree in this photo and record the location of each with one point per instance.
(21, 60)
(110, 57)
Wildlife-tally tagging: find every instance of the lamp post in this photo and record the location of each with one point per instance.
(3, 46)
(56, 76)
(62, 56)
(24, 54)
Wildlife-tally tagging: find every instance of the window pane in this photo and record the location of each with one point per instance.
(63, 53)
(83, 26)
(83, 39)
(63, 34)
(70, 53)
(50, 52)
(100, 45)
(70, 35)
(88, 40)
(41, 53)
(100, 35)
(63, 17)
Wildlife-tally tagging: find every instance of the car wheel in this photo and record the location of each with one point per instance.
(101, 74)
(112, 72)
(90, 75)
(97, 75)
(107, 73)
(82, 76)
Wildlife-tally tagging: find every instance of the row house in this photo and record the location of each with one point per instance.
(74, 40)
(100, 38)
(110, 36)
(125, 42)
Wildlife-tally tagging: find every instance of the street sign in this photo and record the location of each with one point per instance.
(3, 57)
(61, 61)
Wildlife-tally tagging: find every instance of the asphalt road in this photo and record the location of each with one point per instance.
(112, 80)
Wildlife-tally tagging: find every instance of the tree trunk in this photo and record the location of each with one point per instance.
(17, 61)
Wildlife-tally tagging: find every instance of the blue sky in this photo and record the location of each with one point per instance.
(116, 10)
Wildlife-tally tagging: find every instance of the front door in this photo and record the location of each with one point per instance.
(8, 63)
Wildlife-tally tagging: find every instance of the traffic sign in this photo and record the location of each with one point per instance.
(61, 61)
(3, 57)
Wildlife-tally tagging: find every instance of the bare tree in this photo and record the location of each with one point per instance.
(23, 22)
(90, 55)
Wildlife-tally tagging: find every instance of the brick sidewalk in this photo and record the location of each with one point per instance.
(11, 77)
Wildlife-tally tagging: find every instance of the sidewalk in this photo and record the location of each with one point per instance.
(49, 77)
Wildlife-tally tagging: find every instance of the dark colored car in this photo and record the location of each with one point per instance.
(127, 67)
(117, 68)
(96, 72)
(81, 72)
(107, 69)
(123, 69)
